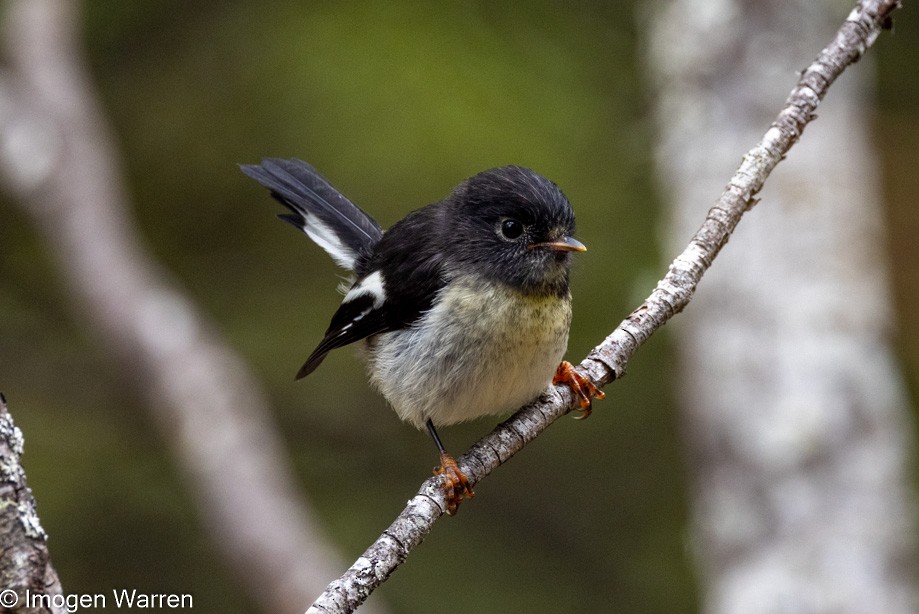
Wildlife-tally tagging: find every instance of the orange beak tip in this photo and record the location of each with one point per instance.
(565, 244)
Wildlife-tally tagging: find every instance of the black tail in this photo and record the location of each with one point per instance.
(335, 223)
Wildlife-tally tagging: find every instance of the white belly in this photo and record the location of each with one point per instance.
(491, 353)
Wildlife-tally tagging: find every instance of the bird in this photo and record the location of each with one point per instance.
(462, 307)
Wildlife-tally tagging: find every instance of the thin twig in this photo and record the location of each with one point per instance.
(608, 360)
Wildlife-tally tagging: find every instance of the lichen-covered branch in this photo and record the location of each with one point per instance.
(26, 573)
(609, 359)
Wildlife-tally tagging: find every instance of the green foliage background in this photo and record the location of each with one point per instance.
(395, 103)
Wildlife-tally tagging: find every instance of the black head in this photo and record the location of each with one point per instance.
(512, 225)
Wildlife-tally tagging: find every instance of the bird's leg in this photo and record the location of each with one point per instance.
(582, 387)
(456, 484)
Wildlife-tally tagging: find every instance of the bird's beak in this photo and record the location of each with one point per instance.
(565, 244)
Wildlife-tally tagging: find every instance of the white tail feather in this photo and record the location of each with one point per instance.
(325, 238)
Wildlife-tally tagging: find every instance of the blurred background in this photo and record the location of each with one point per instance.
(395, 103)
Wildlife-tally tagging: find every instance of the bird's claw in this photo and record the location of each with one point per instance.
(580, 386)
(456, 484)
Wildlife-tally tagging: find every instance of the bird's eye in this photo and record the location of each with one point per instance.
(511, 229)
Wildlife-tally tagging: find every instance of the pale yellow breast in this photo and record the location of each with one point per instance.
(483, 349)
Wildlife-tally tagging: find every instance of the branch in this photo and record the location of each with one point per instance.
(608, 360)
(25, 567)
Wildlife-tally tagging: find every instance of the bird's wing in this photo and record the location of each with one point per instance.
(403, 279)
(362, 313)
(336, 224)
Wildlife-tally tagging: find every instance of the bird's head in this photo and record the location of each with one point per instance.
(512, 225)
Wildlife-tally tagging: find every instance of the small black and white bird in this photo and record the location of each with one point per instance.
(463, 306)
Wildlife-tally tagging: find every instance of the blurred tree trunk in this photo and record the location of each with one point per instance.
(58, 158)
(796, 421)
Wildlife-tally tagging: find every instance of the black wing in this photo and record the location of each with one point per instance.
(397, 284)
(355, 319)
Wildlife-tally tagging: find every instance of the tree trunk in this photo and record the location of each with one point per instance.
(796, 421)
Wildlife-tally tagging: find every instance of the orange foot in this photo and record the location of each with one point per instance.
(582, 387)
(456, 484)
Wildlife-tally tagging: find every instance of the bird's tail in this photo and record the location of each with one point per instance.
(335, 223)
